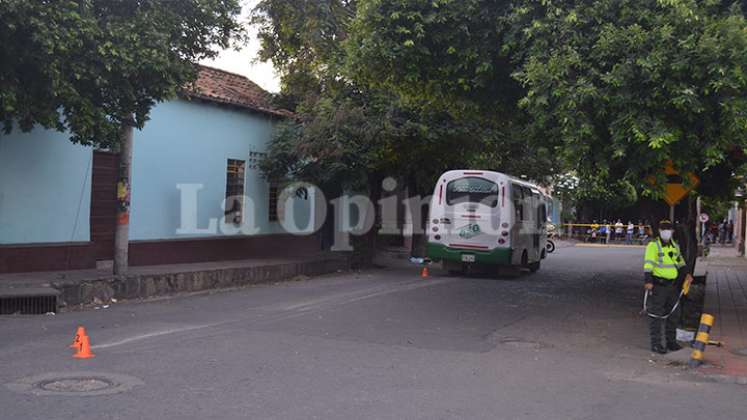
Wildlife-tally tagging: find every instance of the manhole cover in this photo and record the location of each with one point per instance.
(75, 384)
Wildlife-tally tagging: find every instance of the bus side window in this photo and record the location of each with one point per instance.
(518, 199)
(541, 215)
(528, 204)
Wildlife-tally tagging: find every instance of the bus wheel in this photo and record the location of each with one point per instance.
(524, 259)
(533, 267)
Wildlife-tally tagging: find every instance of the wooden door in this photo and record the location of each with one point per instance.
(104, 203)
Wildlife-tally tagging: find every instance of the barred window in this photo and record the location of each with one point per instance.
(273, 203)
(234, 190)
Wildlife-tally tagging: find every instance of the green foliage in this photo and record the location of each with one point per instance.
(623, 86)
(716, 208)
(443, 53)
(611, 88)
(345, 131)
(89, 66)
(349, 126)
(303, 40)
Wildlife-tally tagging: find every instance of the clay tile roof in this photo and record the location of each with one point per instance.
(233, 89)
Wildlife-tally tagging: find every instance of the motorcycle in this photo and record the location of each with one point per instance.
(551, 233)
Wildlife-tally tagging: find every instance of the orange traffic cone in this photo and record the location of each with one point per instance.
(424, 272)
(84, 350)
(78, 334)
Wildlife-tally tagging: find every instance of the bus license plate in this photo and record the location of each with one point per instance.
(468, 258)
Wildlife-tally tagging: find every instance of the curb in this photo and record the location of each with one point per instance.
(144, 286)
(721, 378)
(608, 246)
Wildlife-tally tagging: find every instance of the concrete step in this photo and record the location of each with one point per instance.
(27, 291)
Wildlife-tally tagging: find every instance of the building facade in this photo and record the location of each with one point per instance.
(197, 191)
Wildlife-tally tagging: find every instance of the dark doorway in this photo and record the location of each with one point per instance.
(104, 203)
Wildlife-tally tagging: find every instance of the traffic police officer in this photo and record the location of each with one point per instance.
(663, 267)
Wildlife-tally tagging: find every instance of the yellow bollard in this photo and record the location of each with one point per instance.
(701, 340)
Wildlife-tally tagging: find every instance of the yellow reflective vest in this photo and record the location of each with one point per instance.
(663, 261)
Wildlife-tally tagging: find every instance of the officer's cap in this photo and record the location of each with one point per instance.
(665, 224)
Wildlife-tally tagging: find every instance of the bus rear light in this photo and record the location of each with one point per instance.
(437, 237)
(435, 228)
(435, 221)
(504, 233)
(504, 225)
(501, 241)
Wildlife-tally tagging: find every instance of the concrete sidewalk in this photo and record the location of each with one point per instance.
(726, 300)
(84, 287)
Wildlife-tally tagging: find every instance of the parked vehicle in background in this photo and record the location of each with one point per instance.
(552, 233)
(486, 218)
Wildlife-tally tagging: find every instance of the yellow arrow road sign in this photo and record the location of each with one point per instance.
(676, 189)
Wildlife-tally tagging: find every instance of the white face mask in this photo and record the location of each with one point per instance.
(666, 235)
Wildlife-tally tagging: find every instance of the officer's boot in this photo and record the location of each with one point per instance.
(655, 326)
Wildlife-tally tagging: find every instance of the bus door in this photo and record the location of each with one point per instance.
(537, 225)
(472, 205)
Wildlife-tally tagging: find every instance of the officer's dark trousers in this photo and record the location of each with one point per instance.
(662, 299)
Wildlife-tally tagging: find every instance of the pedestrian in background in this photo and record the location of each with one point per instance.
(712, 233)
(609, 232)
(618, 229)
(641, 232)
(730, 232)
(593, 231)
(603, 232)
(629, 233)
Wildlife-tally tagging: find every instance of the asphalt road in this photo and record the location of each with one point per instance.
(564, 343)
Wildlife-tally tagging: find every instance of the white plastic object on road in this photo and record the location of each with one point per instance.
(685, 335)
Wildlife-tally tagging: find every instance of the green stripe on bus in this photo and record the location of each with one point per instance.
(439, 252)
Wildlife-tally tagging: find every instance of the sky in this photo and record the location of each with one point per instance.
(242, 62)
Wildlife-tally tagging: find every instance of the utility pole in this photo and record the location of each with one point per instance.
(122, 230)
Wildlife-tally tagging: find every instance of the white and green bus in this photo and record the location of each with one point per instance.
(486, 218)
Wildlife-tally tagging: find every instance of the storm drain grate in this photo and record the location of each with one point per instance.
(27, 305)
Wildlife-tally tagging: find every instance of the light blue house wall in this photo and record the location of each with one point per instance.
(45, 181)
(45, 188)
(190, 142)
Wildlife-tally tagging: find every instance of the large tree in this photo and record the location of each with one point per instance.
(353, 133)
(616, 88)
(88, 66)
(623, 86)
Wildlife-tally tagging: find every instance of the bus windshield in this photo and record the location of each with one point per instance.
(472, 190)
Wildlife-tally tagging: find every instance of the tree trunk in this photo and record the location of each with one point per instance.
(688, 236)
(122, 230)
(419, 218)
(742, 228)
(364, 246)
